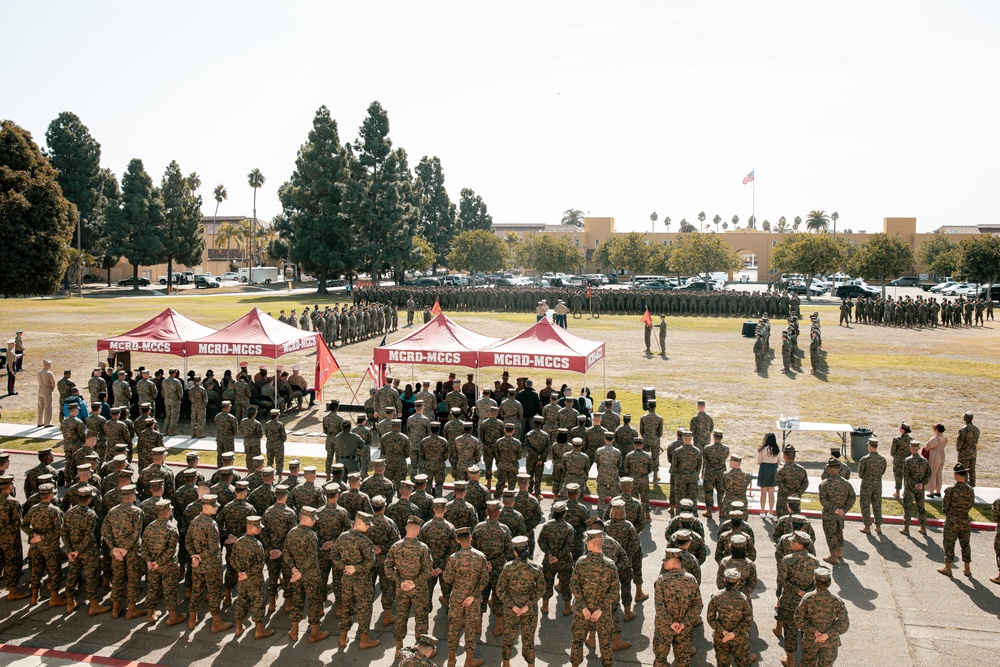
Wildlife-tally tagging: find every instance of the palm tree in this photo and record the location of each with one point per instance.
(701, 220)
(256, 180)
(228, 233)
(686, 227)
(725, 226)
(736, 221)
(573, 217)
(752, 222)
(797, 223)
(220, 196)
(817, 221)
(512, 239)
(766, 225)
(835, 217)
(782, 225)
(666, 223)
(652, 218)
(717, 219)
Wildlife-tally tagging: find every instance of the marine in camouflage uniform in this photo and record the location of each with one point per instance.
(520, 586)
(576, 467)
(467, 575)
(434, 453)
(651, 431)
(274, 431)
(493, 539)
(80, 539)
(557, 541)
(508, 455)
(714, 458)
(490, 430)
(958, 501)
(301, 554)
(795, 579)
(966, 443)
(11, 550)
(736, 482)
(122, 532)
(248, 558)
(377, 484)
(198, 397)
(871, 467)
(731, 618)
(439, 535)
(409, 565)
(202, 543)
(671, 448)
(226, 426)
(418, 427)
(916, 475)
(395, 448)
(821, 614)
(43, 525)
(638, 465)
(253, 432)
(899, 451)
(173, 392)
(277, 521)
(529, 508)
(701, 427)
(353, 553)
(595, 587)
(685, 467)
(538, 444)
(560, 447)
(792, 480)
(163, 574)
(837, 497)
(383, 533)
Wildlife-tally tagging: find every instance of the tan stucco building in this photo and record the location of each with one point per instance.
(752, 245)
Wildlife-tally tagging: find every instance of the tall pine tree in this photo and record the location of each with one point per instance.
(110, 200)
(36, 220)
(134, 226)
(377, 202)
(314, 228)
(181, 230)
(438, 223)
(472, 213)
(76, 155)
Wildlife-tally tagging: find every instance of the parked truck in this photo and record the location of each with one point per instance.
(262, 275)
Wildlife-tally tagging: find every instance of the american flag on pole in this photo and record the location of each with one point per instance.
(748, 178)
(378, 372)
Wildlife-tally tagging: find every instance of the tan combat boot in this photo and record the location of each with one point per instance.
(293, 633)
(192, 619)
(343, 639)
(227, 601)
(618, 645)
(498, 628)
(218, 625)
(923, 529)
(968, 569)
(34, 596)
(788, 660)
(70, 603)
(451, 659)
(567, 607)
(55, 600)
(629, 614)
(367, 642)
(261, 632)
(946, 570)
(778, 629)
(867, 530)
(238, 627)
(905, 530)
(640, 594)
(14, 594)
(388, 619)
(173, 618)
(591, 641)
(878, 529)
(272, 605)
(150, 616)
(545, 606)
(996, 579)
(399, 647)
(471, 660)
(96, 608)
(832, 558)
(315, 634)
(133, 612)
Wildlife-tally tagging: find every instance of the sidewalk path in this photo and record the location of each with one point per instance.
(12, 655)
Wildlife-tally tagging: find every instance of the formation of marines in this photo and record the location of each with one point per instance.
(343, 324)
(627, 301)
(243, 542)
(907, 312)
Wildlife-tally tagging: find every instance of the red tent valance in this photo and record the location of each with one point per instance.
(167, 333)
(256, 334)
(441, 342)
(544, 346)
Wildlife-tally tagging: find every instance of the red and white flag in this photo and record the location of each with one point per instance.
(748, 178)
(378, 372)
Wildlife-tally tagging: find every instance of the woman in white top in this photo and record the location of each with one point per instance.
(767, 472)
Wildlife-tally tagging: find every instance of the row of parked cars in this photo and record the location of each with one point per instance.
(206, 280)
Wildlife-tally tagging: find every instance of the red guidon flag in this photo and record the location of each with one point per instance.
(436, 310)
(588, 291)
(326, 366)
(647, 319)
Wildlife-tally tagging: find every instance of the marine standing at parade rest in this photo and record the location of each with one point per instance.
(202, 542)
(916, 475)
(466, 574)
(899, 452)
(163, 572)
(354, 554)
(557, 541)
(409, 565)
(82, 551)
(248, 559)
(731, 618)
(966, 443)
(651, 430)
(596, 592)
(520, 587)
(122, 532)
(837, 497)
(714, 459)
(792, 480)
(795, 579)
(678, 606)
(871, 467)
(822, 618)
(958, 501)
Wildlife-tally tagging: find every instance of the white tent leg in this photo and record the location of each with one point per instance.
(604, 363)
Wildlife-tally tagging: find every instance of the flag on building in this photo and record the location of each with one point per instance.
(326, 365)
(647, 319)
(748, 178)
(378, 372)
(436, 310)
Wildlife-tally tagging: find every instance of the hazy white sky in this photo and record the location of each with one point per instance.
(872, 109)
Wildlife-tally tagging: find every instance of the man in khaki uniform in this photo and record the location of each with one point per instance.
(46, 385)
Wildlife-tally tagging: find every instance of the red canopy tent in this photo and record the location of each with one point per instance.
(441, 341)
(167, 333)
(256, 334)
(544, 346)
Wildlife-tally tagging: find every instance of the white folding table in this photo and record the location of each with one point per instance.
(820, 427)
